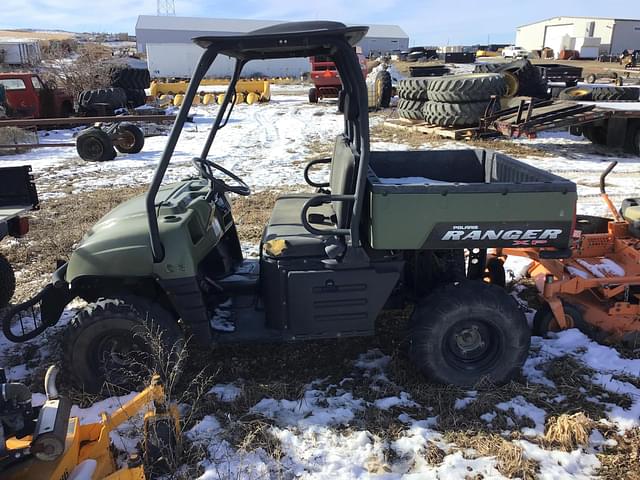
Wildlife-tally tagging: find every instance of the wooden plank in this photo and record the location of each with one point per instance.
(422, 127)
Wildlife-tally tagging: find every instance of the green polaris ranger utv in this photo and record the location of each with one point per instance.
(385, 228)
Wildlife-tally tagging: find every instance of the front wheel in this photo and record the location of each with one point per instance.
(467, 332)
(121, 343)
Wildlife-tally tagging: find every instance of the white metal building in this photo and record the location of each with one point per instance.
(19, 51)
(606, 35)
(170, 52)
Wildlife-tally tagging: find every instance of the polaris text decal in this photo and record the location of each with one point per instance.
(507, 234)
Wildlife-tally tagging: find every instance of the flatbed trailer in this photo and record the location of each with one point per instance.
(604, 125)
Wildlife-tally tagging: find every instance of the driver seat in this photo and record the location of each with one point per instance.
(286, 237)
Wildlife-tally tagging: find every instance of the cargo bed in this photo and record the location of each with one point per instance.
(465, 199)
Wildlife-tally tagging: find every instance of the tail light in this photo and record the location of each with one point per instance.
(19, 226)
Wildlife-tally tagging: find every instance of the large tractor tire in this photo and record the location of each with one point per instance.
(7, 282)
(120, 342)
(95, 145)
(473, 87)
(610, 94)
(454, 114)
(414, 88)
(113, 97)
(467, 332)
(411, 109)
(383, 89)
(130, 78)
(530, 81)
(131, 138)
(136, 97)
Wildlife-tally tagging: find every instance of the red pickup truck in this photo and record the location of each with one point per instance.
(28, 96)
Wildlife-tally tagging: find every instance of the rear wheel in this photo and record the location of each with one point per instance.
(313, 95)
(130, 138)
(7, 282)
(467, 332)
(383, 88)
(120, 343)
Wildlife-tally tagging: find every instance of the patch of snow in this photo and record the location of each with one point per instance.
(315, 408)
(556, 464)
(522, 408)
(462, 403)
(404, 400)
(226, 392)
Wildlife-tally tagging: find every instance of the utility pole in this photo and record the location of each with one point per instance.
(166, 8)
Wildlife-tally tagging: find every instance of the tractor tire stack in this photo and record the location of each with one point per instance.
(413, 96)
(526, 78)
(133, 81)
(461, 100)
(127, 91)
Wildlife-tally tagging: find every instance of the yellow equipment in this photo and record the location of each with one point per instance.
(59, 443)
(262, 88)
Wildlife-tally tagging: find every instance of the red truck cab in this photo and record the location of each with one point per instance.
(325, 77)
(28, 96)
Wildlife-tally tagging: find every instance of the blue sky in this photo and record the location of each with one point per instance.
(436, 22)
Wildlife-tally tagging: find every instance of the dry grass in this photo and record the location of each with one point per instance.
(568, 431)
(622, 462)
(510, 460)
(55, 228)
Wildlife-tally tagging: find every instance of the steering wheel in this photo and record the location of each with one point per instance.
(206, 167)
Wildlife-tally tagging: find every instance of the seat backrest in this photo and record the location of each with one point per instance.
(342, 179)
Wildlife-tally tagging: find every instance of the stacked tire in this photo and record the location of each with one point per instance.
(412, 93)
(461, 100)
(127, 90)
(133, 81)
(528, 79)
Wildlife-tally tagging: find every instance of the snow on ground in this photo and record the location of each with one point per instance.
(320, 431)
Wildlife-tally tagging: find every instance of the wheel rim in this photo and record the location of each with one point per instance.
(127, 141)
(94, 148)
(472, 345)
(512, 84)
(578, 92)
(119, 356)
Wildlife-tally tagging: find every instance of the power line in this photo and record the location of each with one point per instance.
(166, 8)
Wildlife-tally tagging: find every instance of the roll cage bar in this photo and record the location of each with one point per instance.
(288, 40)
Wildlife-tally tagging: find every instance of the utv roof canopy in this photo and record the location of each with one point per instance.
(285, 40)
(294, 39)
